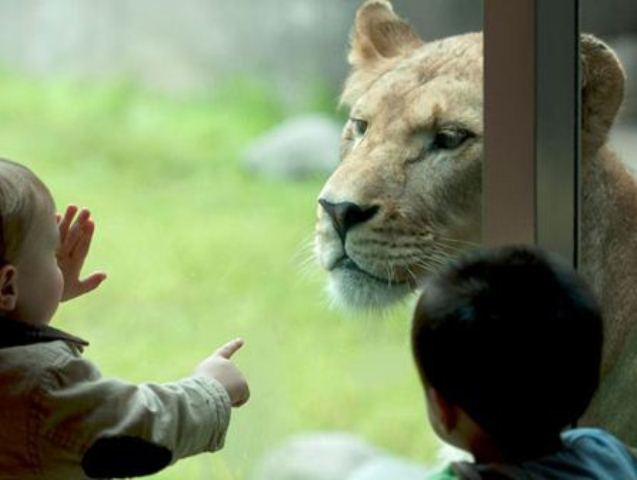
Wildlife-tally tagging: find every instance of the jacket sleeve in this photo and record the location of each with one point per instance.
(118, 429)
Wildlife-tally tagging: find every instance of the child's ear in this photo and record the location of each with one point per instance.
(447, 412)
(8, 288)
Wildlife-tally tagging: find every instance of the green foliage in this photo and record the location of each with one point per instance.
(198, 252)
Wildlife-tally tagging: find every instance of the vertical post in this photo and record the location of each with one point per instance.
(557, 126)
(531, 115)
(509, 114)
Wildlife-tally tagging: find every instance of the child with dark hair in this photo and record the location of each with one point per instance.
(508, 346)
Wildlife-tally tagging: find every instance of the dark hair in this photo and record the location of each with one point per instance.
(514, 338)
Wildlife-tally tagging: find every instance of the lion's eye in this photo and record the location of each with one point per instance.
(360, 126)
(450, 139)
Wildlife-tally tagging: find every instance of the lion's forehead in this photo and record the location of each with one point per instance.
(429, 84)
(460, 57)
(423, 108)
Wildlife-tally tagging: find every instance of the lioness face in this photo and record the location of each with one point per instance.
(406, 195)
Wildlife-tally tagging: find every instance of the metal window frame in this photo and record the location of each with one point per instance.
(532, 119)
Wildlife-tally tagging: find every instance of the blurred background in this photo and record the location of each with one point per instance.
(199, 133)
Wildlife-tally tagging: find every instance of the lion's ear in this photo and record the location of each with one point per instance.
(379, 33)
(603, 81)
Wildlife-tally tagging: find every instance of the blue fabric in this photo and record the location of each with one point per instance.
(588, 454)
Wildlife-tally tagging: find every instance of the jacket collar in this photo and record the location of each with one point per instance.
(16, 334)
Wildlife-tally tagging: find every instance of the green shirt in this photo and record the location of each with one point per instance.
(446, 474)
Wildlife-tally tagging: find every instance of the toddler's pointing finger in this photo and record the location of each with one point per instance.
(229, 349)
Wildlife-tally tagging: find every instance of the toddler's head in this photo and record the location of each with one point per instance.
(30, 281)
(508, 345)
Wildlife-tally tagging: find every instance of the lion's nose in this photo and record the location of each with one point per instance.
(345, 215)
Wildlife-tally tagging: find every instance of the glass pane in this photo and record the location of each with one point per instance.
(201, 136)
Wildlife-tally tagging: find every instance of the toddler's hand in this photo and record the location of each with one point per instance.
(220, 367)
(75, 241)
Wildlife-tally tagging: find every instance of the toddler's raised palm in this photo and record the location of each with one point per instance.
(75, 241)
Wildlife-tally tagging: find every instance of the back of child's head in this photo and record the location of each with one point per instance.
(514, 338)
(23, 197)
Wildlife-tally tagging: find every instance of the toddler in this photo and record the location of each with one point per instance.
(59, 419)
(508, 346)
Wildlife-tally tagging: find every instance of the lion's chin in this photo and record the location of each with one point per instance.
(357, 290)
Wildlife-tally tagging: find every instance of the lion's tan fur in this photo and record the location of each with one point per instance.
(430, 203)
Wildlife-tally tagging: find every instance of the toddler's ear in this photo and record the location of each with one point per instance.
(8, 288)
(446, 413)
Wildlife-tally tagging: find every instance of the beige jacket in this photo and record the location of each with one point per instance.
(59, 419)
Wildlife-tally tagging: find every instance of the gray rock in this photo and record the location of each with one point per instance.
(299, 148)
(391, 468)
(339, 456)
(315, 456)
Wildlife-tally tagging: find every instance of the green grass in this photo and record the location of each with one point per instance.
(198, 252)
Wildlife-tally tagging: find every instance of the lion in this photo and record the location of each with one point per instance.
(406, 195)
